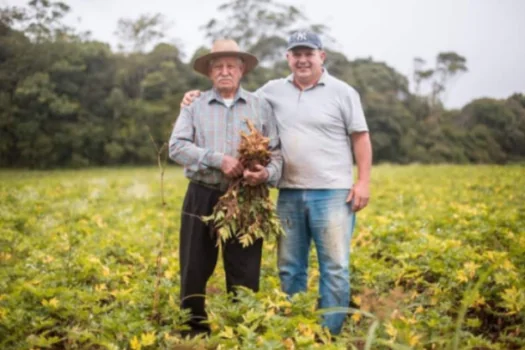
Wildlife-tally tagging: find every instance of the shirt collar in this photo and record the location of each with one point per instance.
(239, 95)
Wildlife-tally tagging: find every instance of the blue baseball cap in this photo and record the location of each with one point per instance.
(304, 39)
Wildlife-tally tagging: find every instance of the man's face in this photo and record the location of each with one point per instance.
(226, 73)
(305, 63)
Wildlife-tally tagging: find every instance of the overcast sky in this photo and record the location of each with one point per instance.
(489, 33)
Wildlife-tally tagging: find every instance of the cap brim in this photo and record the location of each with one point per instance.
(310, 46)
(201, 64)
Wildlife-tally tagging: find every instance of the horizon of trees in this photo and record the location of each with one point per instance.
(69, 101)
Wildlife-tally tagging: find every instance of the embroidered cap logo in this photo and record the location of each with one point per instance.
(300, 36)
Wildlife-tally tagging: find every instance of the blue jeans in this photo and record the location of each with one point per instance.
(325, 217)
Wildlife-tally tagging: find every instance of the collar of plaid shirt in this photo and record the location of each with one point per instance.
(239, 95)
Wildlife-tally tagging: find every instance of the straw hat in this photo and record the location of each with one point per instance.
(222, 48)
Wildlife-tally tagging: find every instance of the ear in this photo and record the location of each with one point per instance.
(242, 65)
(322, 54)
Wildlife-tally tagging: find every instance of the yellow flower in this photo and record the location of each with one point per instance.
(5, 256)
(227, 333)
(356, 317)
(288, 344)
(414, 339)
(470, 268)
(135, 343)
(94, 260)
(269, 314)
(507, 265)
(408, 320)
(306, 330)
(490, 255)
(391, 330)
(53, 303)
(479, 301)
(147, 339)
(170, 338)
(461, 276)
(513, 300)
(101, 287)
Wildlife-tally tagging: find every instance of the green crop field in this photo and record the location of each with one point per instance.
(438, 262)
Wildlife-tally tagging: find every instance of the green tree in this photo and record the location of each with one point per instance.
(136, 34)
(41, 20)
(448, 66)
(260, 26)
(69, 101)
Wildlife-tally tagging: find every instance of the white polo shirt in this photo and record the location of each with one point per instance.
(314, 127)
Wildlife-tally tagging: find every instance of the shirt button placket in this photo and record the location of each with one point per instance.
(229, 130)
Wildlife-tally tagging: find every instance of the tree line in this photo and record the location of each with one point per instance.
(67, 100)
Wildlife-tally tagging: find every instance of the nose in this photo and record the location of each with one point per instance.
(224, 70)
(302, 58)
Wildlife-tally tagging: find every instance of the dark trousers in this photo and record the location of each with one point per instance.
(198, 255)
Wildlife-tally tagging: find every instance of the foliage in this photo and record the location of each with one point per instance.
(69, 101)
(261, 27)
(448, 65)
(437, 263)
(141, 32)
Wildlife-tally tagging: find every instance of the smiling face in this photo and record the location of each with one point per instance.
(226, 74)
(306, 64)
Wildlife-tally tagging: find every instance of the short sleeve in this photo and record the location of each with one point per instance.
(353, 112)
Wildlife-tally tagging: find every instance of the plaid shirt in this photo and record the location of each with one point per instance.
(208, 129)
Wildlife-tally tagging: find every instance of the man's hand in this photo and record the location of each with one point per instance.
(254, 178)
(231, 167)
(360, 194)
(189, 97)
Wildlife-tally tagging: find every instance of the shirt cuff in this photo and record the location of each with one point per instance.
(271, 175)
(215, 160)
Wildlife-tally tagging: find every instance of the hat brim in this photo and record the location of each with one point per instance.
(202, 63)
(307, 45)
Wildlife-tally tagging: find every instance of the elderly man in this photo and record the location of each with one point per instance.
(320, 121)
(204, 140)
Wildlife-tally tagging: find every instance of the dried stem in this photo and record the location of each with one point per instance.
(162, 166)
(246, 212)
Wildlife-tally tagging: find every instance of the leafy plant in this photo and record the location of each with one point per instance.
(246, 212)
(437, 263)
